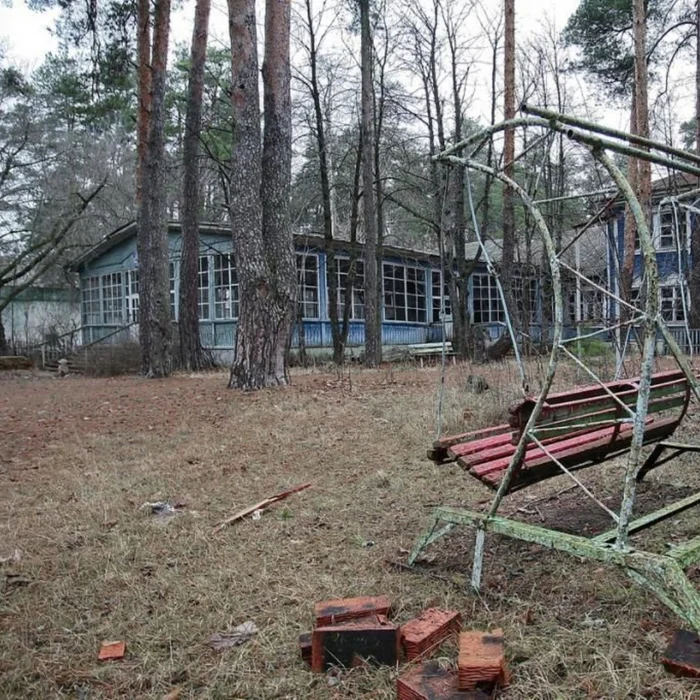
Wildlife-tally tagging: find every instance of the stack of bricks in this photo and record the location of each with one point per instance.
(428, 631)
(481, 660)
(429, 681)
(351, 632)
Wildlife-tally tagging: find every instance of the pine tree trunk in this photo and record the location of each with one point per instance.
(508, 256)
(694, 277)
(144, 90)
(630, 232)
(155, 327)
(641, 74)
(373, 328)
(192, 355)
(4, 349)
(262, 240)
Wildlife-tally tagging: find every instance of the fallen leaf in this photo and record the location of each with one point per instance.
(112, 650)
(240, 635)
(174, 694)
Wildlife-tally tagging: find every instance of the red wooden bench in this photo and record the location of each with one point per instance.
(580, 427)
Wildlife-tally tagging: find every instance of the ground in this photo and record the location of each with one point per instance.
(79, 457)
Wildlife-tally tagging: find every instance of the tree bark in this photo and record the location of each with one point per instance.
(373, 328)
(192, 354)
(630, 231)
(155, 327)
(143, 41)
(3, 339)
(641, 84)
(260, 216)
(508, 255)
(694, 277)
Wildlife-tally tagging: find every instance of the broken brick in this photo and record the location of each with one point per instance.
(428, 631)
(682, 657)
(429, 681)
(112, 650)
(332, 612)
(305, 647)
(373, 639)
(482, 660)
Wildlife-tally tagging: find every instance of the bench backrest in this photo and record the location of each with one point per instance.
(591, 407)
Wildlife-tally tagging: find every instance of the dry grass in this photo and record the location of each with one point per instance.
(79, 457)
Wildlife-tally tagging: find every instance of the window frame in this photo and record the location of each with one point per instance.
(499, 313)
(356, 290)
(95, 294)
(418, 309)
(112, 304)
(435, 309)
(302, 285)
(232, 287)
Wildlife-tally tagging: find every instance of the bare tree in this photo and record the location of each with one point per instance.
(155, 326)
(192, 355)
(259, 202)
(373, 326)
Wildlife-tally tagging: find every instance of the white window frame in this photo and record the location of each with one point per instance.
(204, 301)
(496, 315)
(668, 211)
(227, 307)
(358, 291)
(406, 308)
(676, 299)
(91, 297)
(112, 295)
(131, 295)
(302, 286)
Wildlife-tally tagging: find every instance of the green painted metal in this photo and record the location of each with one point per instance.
(687, 553)
(652, 518)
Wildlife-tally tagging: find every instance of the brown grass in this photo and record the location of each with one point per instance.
(78, 458)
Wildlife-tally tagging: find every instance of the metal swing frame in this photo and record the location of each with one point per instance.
(662, 574)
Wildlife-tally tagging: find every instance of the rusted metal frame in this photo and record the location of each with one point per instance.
(588, 493)
(660, 574)
(679, 357)
(687, 553)
(551, 115)
(606, 329)
(651, 312)
(652, 518)
(481, 137)
(595, 377)
(517, 459)
(607, 292)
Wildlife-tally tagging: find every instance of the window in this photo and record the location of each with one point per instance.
(486, 300)
(404, 293)
(112, 298)
(671, 304)
(173, 314)
(438, 296)
(91, 301)
(521, 300)
(225, 287)
(357, 307)
(203, 288)
(132, 296)
(307, 280)
(668, 220)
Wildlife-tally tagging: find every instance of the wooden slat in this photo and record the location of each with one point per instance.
(450, 440)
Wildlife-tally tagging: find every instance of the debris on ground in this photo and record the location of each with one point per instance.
(17, 580)
(110, 651)
(164, 508)
(15, 557)
(331, 612)
(425, 633)
(251, 510)
(350, 644)
(482, 660)
(682, 657)
(430, 681)
(174, 694)
(240, 635)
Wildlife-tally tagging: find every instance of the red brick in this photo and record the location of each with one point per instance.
(682, 657)
(428, 631)
(372, 639)
(429, 681)
(305, 647)
(482, 660)
(332, 612)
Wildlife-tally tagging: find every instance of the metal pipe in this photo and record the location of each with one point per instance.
(576, 196)
(550, 114)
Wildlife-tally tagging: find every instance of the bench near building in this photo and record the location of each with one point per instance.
(412, 291)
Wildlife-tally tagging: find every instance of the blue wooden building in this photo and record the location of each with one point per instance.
(412, 287)
(671, 232)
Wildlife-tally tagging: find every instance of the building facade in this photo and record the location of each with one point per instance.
(413, 291)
